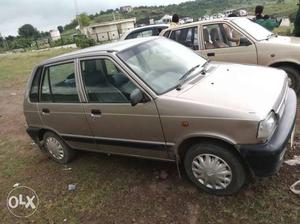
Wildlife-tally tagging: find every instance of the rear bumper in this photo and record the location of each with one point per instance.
(266, 159)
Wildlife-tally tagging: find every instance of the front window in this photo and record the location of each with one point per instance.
(222, 35)
(104, 82)
(161, 63)
(254, 29)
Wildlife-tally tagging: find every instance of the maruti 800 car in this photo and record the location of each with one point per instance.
(154, 98)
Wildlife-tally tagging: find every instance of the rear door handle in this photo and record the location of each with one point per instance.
(211, 54)
(96, 113)
(45, 111)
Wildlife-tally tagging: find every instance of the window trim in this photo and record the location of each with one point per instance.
(82, 86)
(46, 66)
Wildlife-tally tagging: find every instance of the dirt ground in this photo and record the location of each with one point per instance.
(112, 189)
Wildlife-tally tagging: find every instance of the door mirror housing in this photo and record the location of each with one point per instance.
(136, 97)
(245, 42)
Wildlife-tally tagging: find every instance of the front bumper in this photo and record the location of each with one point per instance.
(266, 159)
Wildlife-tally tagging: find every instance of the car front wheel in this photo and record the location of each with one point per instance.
(58, 150)
(214, 169)
(294, 76)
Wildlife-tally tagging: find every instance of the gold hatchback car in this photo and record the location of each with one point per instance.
(154, 98)
(240, 40)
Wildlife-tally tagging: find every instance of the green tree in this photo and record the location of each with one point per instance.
(84, 19)
(297, 23)
(28, 31)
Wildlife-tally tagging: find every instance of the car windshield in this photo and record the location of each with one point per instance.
(254, 29)
(161, 63)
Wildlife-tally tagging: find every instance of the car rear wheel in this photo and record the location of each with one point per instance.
(214, 169)
(294, 76)
(58, 150)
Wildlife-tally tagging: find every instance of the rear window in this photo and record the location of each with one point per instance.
(59, 84)
(34, 90)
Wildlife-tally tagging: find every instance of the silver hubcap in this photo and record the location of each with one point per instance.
(212, 171)
(55, 148)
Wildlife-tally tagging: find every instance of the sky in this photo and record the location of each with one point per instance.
(48, 14)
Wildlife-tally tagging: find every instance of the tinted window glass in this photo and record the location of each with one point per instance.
(34, 91)
(104, 83)
(145, 33)
(131, 36)
(187, 37)
(59, 84)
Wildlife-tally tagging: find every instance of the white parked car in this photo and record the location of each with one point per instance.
(145, 31)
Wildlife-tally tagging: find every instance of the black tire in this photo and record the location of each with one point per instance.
(238, 174)
(68, 153)
(294, 76)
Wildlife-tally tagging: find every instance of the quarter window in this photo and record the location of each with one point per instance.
(59, 84)
(187, 37)
(34, 91)
(104, 82)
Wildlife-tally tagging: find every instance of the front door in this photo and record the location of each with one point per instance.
(117, 126)
(60, 108)
(221, 42)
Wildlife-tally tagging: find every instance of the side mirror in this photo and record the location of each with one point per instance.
(245, 42)
(136, 97)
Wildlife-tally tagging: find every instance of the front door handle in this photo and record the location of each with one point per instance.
(45, 111)
(96, 113)
(211, 54)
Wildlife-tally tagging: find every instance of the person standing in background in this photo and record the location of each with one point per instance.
(265, 20)
(297, 22)
(258, 12)
(175, 20)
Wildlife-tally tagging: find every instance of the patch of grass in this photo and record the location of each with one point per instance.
(17, 67)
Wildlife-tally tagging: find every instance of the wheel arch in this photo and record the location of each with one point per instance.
(285, 63)
(187, 143)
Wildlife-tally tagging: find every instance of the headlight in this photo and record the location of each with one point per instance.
(267, 126)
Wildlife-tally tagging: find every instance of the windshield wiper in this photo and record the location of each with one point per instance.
(185, 76)
(204, 67)
(271, 35)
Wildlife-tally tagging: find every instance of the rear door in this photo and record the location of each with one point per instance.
(60, 108)
(117, 126)
(222, 42)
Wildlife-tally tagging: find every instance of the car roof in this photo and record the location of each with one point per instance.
(202, 22)
(111, 47)
(142, 28)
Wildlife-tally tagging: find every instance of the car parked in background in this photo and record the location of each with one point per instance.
(240, 40)
(144, 31)
(141, 98)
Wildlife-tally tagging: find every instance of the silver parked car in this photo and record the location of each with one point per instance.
(141, 98)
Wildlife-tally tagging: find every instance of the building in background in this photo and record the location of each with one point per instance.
(54, 34)
(109, 31)
(125, 9)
